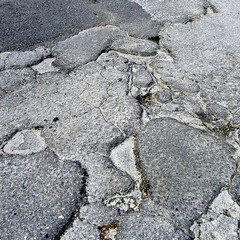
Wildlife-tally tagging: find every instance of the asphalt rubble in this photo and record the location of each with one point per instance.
(108, 135)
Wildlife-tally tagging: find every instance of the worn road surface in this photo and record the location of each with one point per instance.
(119, 120)
(27, 23)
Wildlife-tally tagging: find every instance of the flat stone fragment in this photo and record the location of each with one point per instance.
(135, 46)
(39, 194)
(25, 142)
(221, 220)
(141, 77)
(141, 81)
(123, 157)
(18, 59)
(45, 66)
(185, 168)
(84, 47)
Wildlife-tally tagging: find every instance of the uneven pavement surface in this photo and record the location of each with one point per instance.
(120, 120)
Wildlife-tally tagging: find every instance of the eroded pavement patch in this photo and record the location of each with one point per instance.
(111, 136)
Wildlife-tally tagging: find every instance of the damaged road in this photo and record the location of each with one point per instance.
(117, 131)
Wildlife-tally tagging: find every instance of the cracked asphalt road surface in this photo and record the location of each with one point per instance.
(120, 120)
(25, 24)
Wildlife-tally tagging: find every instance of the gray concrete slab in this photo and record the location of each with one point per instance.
(185, 167)
(39, 194)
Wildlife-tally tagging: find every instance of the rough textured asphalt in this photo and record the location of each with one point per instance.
(27, 23)
(127, 131)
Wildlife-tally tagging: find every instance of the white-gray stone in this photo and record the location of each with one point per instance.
(236, 122)
(25, 142)
(123, 157)
(45, 66)
(141, 77)
(135, 46)
(19, 59)
(141, 81)
(221, 220)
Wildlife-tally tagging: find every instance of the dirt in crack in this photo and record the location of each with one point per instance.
(110, 231)
(146, 100)
(145, 183)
